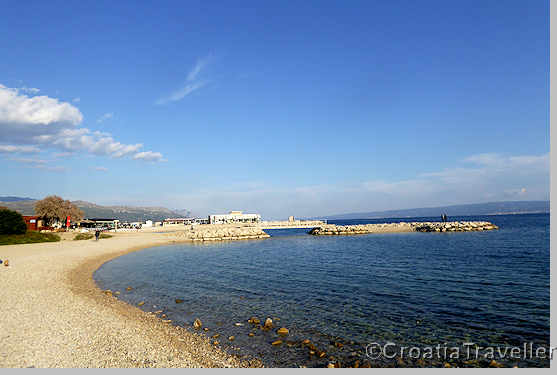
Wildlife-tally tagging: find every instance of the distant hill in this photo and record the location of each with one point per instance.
(25, 206)
(491, 208)
(14, 199)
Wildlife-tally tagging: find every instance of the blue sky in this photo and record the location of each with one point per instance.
(283, 108)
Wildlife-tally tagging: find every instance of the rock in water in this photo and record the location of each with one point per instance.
(178, 300)
(129, 288)
(231, 338)
(276, 343)
(268, 323)
(197, 324)
(141, 303)
(254, 320)
(282, 331)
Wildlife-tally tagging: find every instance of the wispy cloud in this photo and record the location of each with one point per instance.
(64, 154)
(191, 85)
(39, 164)
(76, 100)
(29, 90)
(105, 117)
(149, 156)
(8, 149)
(199, 65)
(475, 179)
(100, 169)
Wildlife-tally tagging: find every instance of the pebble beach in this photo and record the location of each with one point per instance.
(54, 315)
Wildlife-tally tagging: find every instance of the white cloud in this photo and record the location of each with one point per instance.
(16, 149)
(192, 83)
(101, 169)
(149, 156)
(43, 122)
(38, 110)
(76, 100)
(105, 117)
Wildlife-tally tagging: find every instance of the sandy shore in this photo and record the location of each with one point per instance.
(53, 314)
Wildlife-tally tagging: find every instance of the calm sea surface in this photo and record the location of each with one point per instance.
(344, 292)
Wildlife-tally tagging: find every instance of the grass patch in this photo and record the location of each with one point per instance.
(88, 236)
(29, 237)
(83, 236)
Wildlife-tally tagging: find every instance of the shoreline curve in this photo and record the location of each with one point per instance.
(57, 316)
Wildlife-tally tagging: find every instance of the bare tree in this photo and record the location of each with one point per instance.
(55, 209)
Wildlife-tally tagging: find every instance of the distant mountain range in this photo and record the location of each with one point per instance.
(25, 206)
(491, 208)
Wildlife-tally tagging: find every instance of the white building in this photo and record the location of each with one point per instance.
(234, 217)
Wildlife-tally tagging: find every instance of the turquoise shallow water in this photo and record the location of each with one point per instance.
(342, 293)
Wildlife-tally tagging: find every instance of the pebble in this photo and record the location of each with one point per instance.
(268, 323)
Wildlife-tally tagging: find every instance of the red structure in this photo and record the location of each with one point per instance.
(32, 222)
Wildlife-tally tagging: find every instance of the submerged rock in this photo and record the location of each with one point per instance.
(282, 331)
(178, 300)
(268, 323)
(197, 324)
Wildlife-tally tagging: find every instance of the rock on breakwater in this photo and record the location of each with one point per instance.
(429, 226)
(219, 233)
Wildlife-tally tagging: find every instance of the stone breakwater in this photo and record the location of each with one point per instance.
(219, 233)
(454, 226)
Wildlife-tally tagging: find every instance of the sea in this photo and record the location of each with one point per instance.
(464, 299)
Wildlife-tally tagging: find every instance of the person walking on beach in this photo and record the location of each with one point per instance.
(97, 234)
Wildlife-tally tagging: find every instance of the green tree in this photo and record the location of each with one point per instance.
(11, 222)
(54, 209)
